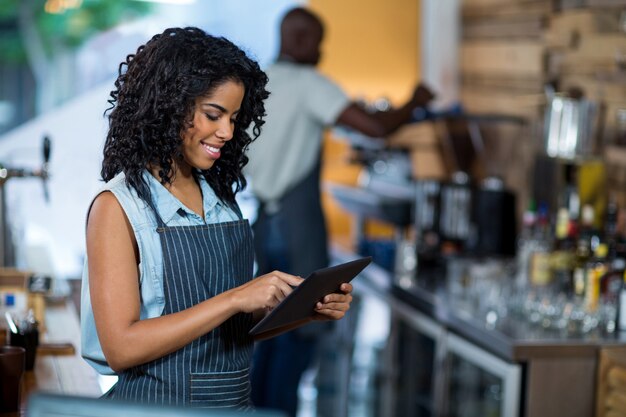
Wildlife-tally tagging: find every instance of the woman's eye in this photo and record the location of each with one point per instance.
(212, 117)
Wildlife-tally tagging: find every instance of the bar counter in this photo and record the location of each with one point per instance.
(545, 371)
(512, 339)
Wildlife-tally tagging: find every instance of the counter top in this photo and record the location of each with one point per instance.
(511, 339)
(65, 372)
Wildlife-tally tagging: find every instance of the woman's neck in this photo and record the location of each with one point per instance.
(184, 186)
(180, 174)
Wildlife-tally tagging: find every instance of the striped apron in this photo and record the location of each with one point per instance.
(200, 262)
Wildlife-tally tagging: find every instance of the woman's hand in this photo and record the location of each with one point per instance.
(264, 292)
(331, 307)
(334, 306)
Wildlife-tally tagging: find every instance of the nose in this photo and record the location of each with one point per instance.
(226, 130)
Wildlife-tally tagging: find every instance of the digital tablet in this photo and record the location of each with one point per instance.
(300, 303)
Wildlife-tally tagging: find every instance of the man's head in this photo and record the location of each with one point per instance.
(301, 34)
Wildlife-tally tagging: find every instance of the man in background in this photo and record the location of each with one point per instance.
(284, 172)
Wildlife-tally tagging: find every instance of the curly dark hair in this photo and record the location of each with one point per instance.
(154, 100)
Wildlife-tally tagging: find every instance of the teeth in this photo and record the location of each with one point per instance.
(212, 149)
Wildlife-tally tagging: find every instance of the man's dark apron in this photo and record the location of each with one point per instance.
(290, 236)
(200, 262)
(300, 224)
(296, 230)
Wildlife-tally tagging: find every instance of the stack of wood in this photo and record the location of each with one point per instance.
(611, 393)
(502, 63)
(511, 49)
(503, 56)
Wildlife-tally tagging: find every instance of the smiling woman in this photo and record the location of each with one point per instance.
(168, 295)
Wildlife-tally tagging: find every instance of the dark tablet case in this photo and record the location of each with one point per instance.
(300, 303)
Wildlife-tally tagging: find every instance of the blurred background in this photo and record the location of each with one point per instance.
(496, 219)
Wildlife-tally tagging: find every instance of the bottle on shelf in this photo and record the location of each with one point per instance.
(621, 306)
(539, 266)
(581, 258)
(562, 257)
(569, 212)
(610, 226)
(611, 286)
(525, 244)
(595, 270)
(588, 230)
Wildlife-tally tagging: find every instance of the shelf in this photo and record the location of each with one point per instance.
(393, 209)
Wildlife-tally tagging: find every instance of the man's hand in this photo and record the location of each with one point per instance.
(422, 95)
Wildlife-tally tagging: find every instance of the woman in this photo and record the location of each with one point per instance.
(168, 297)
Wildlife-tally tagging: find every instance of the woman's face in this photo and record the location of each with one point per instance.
(213, 125)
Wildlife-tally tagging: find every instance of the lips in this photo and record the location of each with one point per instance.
(213, 151)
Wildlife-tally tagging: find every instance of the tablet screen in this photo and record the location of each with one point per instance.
(300, 303)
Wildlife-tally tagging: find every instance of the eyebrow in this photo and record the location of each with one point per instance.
(218, 107)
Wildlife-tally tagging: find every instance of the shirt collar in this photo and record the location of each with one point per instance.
(168, 206)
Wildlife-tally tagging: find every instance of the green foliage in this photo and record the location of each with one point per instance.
(68, 29)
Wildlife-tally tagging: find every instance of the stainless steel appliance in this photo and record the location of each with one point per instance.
(570, 127)
(494, 219)
(455, 216)
(433, 218)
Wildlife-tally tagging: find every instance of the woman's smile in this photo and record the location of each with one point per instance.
(214, 152)
(213, 125)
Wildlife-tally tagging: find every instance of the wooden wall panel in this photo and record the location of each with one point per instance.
(513, 58)
(582, 45)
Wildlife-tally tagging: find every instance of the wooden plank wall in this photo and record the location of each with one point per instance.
(510, 49)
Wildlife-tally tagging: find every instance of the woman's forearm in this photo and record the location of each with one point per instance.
(142, 341)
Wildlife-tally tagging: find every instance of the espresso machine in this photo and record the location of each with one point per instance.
(434, 219)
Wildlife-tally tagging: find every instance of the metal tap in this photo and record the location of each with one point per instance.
(7, 255)
(42, 172)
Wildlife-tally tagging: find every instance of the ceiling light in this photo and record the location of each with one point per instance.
(179, 2)
(60, 6)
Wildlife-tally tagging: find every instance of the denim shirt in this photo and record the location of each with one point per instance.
(144, 224)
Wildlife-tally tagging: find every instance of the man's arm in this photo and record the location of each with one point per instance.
(381, 124)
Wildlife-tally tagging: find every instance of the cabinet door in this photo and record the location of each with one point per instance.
(415, 380)
(479, 384)
(417, 352)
